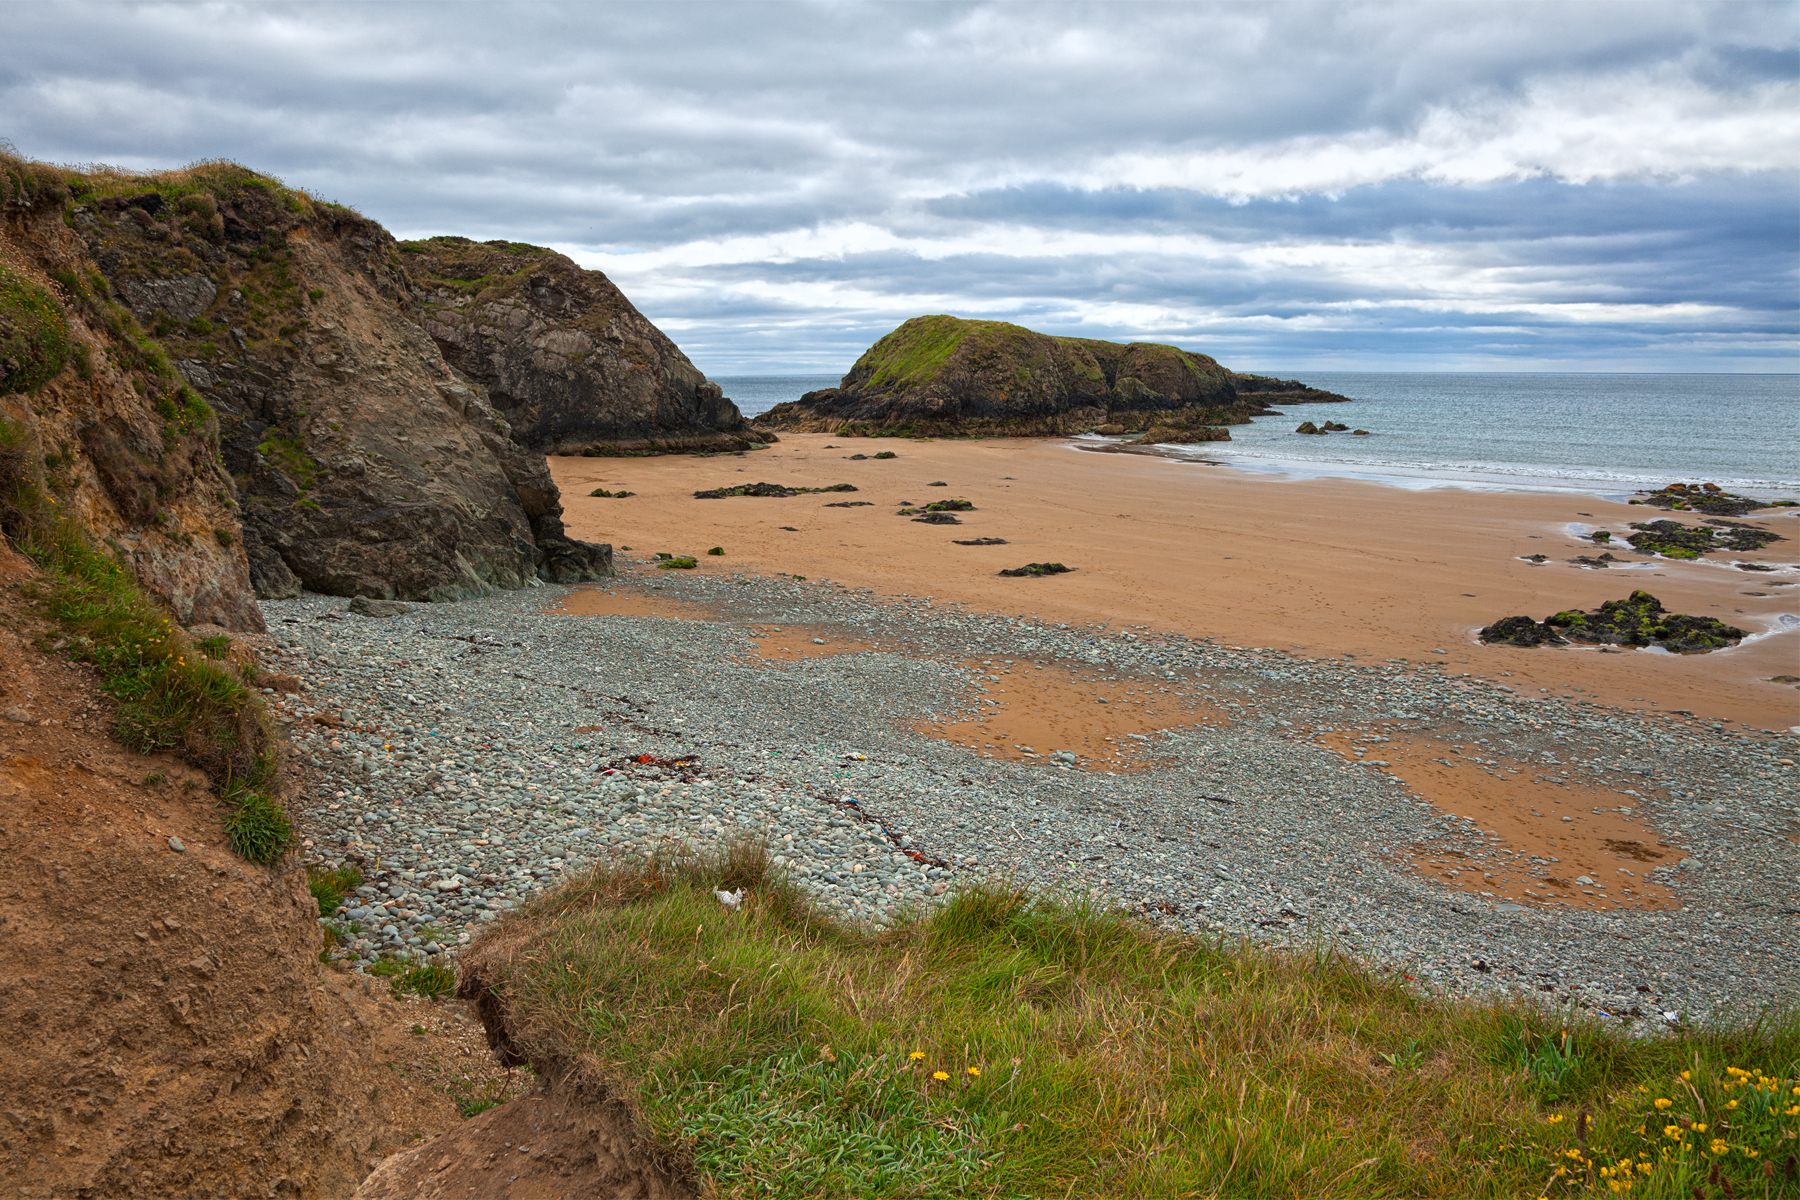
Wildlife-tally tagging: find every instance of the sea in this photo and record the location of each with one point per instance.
(1594, 433)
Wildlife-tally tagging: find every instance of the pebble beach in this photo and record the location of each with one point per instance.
(467, 755)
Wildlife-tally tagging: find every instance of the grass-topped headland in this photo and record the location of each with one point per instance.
(945, 376)
(1009, 1044)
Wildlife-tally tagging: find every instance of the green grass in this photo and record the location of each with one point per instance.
(433, 980)
(1020, 1045)
(329, 886)
(34, 335)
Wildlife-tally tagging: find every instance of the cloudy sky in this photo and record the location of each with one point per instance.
(1493, 186)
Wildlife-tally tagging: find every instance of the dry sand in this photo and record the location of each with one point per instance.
(1321, 568)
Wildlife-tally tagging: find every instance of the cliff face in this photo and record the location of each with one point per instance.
(237, 323)
(943, 374)
(566, 359)
(108, 427)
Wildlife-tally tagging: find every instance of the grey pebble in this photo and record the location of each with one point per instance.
(1250, 830)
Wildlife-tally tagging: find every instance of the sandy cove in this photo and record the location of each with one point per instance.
(1323, 568)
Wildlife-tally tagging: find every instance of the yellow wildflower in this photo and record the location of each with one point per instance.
(1700, 1127)
(1687, 1077)
(1662, 1103)
(1672, 1131)
(1554, 1118)
(975, 1071)
(916, 1055)
(939, 1076)
(1751, 1152)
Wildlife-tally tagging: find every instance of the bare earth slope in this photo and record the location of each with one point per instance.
(169, 1029)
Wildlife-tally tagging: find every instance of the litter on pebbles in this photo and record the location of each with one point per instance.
(473, 753)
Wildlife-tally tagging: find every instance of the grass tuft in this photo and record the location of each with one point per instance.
(1019, 1044)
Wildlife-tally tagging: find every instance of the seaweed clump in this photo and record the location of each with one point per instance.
(1038, 569)
(1671, 539)
(939, 506)
(1637, 620)
(768, 489)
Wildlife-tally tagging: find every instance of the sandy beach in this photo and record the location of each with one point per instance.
(1322, 568)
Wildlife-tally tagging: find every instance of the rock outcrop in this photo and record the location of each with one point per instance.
(1270, 391)
(565, 358)
(281, 335)
(945, 375)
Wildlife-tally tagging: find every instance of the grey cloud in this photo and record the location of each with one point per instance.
(644, 126)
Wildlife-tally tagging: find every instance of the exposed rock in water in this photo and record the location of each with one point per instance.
(1308, 427)
(942, 374)
(1708, 498)
(1170, 435)
(1638, 620)
(1038, 569)
(1271, 392)
(564, 356)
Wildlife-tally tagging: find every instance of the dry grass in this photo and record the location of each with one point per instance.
(1020, 1045)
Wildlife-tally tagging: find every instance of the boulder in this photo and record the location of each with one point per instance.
(377, 608)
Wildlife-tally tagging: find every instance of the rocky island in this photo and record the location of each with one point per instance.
(939, 375)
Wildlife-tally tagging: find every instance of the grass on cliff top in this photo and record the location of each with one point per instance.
(1020, 1045)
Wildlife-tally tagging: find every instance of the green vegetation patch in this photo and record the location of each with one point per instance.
(329, 885)
(34, 335)
(1020, 1045)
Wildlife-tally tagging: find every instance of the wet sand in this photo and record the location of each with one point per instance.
(1319, 568)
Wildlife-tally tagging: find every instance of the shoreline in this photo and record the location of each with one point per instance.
(1459, 477)
(1324, 567)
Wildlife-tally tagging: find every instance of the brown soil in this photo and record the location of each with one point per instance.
(170, 1029)
(538, 1147)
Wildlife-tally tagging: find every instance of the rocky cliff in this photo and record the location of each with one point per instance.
(564, 356)
(98, 413)
(942, 374)
(218, 319)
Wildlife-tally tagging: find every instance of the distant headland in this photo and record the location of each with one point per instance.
(943, 375)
